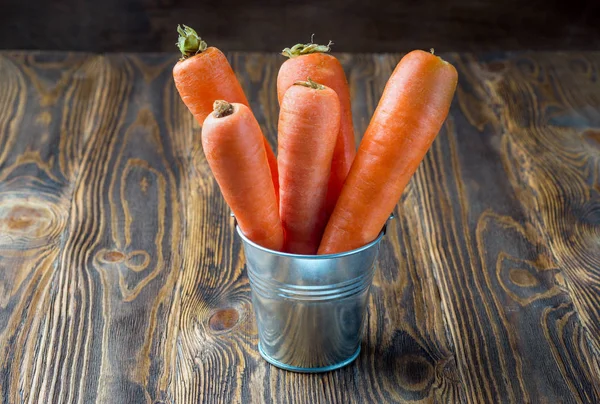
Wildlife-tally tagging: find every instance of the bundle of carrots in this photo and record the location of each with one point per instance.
(320, 195)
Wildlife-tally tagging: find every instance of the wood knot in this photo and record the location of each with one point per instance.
(112, 256)
(29, 219)
(138, 260)
(224, 319)
(406, 364)
(525, 281)
(523, 278)
(414, 372)
(21, 217)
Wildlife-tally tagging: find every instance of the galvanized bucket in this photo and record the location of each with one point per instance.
(310, 309)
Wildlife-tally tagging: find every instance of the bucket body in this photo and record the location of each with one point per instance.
(310, 309)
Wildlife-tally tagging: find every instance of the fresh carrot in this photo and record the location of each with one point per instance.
(202, 76)
(312, 60)
(308, 126)
(233, 145)
(414, 105)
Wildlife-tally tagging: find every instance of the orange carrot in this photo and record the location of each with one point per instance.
(311, 60)
(233, 145)
(414, 105)
(308, 126)
(202, 76)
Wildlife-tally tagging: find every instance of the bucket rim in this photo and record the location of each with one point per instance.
(312, 257)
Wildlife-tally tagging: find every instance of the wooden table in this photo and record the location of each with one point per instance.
(121, 279)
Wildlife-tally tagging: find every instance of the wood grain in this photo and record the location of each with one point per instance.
(122, 280)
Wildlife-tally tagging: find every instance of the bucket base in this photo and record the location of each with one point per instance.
(329, 368)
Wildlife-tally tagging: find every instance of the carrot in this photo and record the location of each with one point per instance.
(414, 105)
(311, 60)
(308, 126)
(202, 76)
(233, 145)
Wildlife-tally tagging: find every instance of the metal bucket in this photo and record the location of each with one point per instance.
(310, 309)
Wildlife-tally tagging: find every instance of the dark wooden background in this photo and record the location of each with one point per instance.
(122, 280)
(267, 25)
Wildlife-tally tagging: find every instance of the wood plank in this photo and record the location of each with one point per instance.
(516, 332)
(44, 120)
(101, 336)
(550, 106)
(122, 256)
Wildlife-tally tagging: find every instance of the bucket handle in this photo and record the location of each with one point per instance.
(392, 217)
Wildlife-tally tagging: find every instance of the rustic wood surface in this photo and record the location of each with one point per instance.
(121, 279)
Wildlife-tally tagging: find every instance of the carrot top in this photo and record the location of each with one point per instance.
(306, 48)
(189, 42)
(310, 84)
(222, 109)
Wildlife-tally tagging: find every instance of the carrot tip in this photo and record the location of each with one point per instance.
(189, 43)
(306, 48)
(222, 109)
